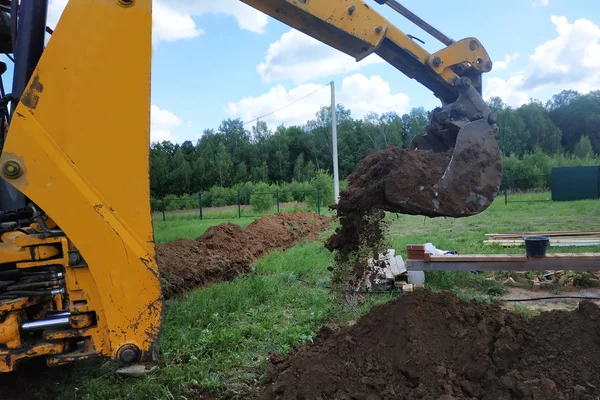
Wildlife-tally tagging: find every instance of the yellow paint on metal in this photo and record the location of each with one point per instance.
(78, 146)
(10, 252)
(82, 139)
(9, 331)
(468, 50)
(10, 359)
(357, 33)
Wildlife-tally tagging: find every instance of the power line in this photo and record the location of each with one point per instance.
(286, 106)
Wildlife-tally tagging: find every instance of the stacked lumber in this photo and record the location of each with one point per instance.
(561, 238)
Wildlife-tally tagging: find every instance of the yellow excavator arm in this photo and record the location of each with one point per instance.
(78, 276)
(355, 28)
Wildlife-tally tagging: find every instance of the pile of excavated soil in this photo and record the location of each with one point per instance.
(436, 346)
(228, 250)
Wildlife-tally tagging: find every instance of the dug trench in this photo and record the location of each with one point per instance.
(225, 251)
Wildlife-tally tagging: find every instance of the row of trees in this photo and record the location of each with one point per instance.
(568, 123)
(565, 130)
(318, 192)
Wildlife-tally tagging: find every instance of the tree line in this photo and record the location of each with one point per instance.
(533, 138)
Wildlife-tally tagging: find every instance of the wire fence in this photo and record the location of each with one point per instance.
(245, 205)
(516, 196)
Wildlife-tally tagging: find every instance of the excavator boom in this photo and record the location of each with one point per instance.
(355, 28)
(453, 74)
(78, 276)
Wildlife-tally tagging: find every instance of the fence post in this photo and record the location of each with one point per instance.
(505, 196)
(239, 205)
(200, 203)
(163, 209)
(318, 201)
(277, 199)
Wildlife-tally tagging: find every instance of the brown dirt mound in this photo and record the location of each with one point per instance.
(361, 221)
(228, 250)
(401, 170)
(436, 346)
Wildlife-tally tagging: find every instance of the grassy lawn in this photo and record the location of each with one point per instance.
(222, 335)
(190, 228)
(466, 235)
(187, 224)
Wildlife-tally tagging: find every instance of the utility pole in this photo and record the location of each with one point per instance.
(336, 176)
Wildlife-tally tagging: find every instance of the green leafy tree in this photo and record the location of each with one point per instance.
(578, 115)
(159, 172)
(414, 123)
(223, 165)
(322, 184)
(496, 104)
(260, 174)
(514, 136)
(583, 149)
(180, 175)
(241, 173)
(221, 196)
(299, 168)
(542, 131)
(262, 197)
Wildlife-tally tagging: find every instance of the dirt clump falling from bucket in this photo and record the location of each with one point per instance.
(360, 208)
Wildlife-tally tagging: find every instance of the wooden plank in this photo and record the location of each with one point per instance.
(480, 257)
(590, 237)
(552, 238)
(508, 262)
(545, 233)
(558, 242)
(556, 233)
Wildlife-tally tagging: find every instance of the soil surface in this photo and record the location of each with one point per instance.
(436, 346)
(553, 303)
(228, 250)
(411, 173)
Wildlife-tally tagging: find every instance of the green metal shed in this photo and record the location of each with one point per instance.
(575, 183)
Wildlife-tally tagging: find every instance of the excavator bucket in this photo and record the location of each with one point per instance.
(471, 179)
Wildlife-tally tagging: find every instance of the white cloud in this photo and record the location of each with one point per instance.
(357, 93)
(55, 9)
(300, 58)
(509, 90)
(170, 25)
(542, 3)
(247, 17)
(508, 59)
(173, 19)
(569, 61)
(162, 124)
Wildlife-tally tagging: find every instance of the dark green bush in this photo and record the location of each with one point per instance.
(262, 197)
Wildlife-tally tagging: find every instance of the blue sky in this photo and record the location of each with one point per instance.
(217, 59)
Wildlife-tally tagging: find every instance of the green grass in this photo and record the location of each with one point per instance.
(233, 213)
(189, 225)
(221, 336)
(191, 229)
(466, 235)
